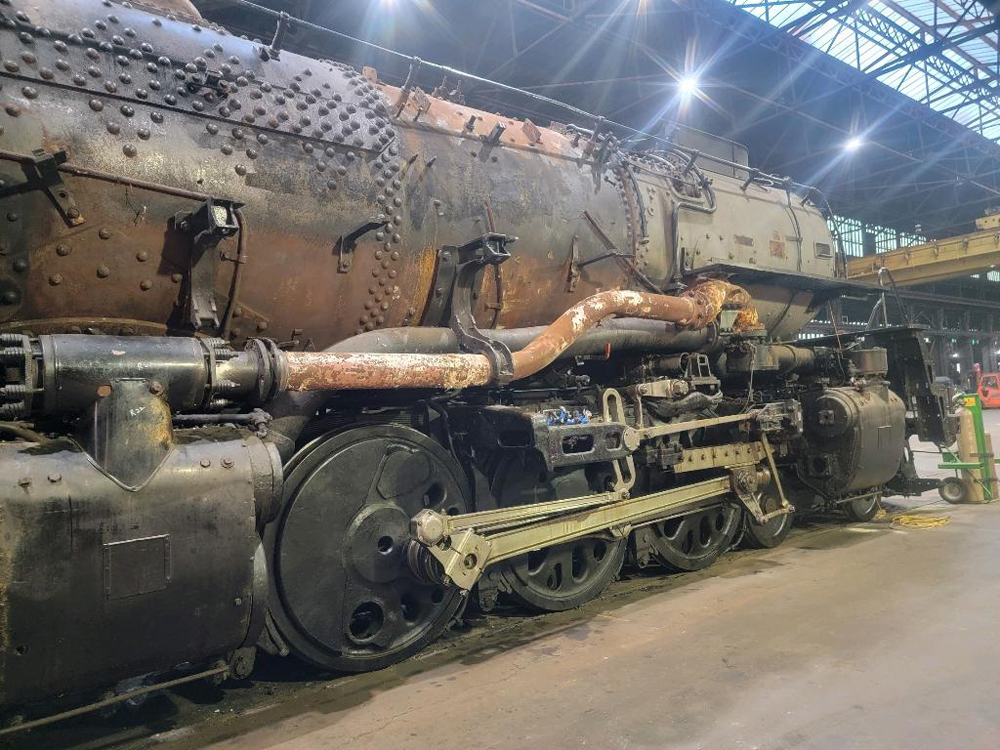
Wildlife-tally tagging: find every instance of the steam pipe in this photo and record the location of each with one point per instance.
(338, 370)
(65, 373)
(292, 410)
(793, 358)
(690, 311)
(621, 334)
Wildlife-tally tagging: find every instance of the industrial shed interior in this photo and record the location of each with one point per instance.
(448, 374)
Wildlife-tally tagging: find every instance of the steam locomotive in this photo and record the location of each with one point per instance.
(300, 361)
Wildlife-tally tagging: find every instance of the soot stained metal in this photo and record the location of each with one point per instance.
(282, 345)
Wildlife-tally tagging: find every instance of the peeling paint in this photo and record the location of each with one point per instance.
(695, 308)
(328, 371)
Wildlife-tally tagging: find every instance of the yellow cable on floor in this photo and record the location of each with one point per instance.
(919, 522)
(912, 521)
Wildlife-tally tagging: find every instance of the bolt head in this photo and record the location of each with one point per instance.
(428, 527)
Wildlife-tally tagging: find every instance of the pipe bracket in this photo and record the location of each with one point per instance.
(471, 259)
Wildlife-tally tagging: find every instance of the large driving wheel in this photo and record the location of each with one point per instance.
(565, 575)
(342, 595)
(772, 532)
(695, 541)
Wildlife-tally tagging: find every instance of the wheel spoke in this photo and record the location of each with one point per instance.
(696, 540)
(564, 575)
(679, 528)
(393, 624)
(597, 549)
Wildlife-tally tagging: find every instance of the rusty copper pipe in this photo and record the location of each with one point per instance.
(335, 371)
(568, 327)
(695, 308)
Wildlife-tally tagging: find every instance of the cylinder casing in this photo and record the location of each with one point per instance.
(854, 438)
(100, 582)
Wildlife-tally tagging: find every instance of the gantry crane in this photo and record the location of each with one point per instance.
(936, 260)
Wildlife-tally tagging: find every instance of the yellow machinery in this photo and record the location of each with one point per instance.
(937, 260)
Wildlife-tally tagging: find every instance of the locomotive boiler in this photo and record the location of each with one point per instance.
(297, 360)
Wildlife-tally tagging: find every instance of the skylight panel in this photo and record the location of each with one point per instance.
(888, 31)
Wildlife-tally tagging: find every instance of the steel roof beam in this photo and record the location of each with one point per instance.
(728, 19)
(935, 48)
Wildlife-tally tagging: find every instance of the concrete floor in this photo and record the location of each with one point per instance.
(863, 636)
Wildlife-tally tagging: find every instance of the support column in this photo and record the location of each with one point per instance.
(991, 345)
(943, 355)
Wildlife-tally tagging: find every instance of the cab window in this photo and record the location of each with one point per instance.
(990, 382)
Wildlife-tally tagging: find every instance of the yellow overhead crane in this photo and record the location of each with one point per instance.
(937, 260)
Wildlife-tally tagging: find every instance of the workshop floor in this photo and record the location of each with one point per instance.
(863, 636)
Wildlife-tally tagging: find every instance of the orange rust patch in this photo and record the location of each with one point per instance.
(335, 371)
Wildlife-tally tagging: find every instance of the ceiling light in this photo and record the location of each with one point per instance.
(688, 85)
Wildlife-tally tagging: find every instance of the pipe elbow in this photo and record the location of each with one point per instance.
(712, 296)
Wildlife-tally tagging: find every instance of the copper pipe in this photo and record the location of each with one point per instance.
(583, 316)
(330, 371)
(719, 294)
(335, 371)
(695, 308)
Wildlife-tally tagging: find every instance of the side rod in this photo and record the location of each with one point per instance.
(464, 554)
